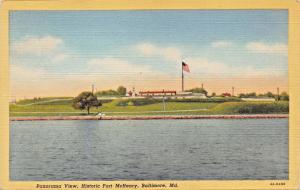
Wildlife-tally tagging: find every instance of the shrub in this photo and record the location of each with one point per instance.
(130, 103)
(284, 96)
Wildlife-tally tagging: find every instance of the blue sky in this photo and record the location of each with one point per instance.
(145, 49)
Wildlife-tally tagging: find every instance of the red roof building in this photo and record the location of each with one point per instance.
(158, 93)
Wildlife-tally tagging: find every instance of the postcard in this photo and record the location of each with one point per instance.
(149, 94)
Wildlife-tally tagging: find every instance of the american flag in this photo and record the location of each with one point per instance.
(185, 67)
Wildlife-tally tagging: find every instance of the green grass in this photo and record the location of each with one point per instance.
(251, 107)
(140, 110)
(147, 101)
(61, 100)
(64, 108)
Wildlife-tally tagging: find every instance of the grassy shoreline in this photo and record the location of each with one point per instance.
(154, 117)
(62, 107)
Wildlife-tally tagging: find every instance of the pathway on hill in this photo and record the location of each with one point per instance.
(42, 102)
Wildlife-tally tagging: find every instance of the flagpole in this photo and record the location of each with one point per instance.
(182, 78)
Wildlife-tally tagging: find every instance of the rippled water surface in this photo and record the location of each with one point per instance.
(149, 150)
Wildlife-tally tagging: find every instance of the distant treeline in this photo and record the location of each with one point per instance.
(121, 91)
(282, 96)
(198, 90)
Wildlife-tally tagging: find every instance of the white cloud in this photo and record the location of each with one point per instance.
(19, 72)
(214, 69)
(204, 66)
(117, 66)
(221, 44)
(261, 47)
(147, 49)
(209, 67)
(168, 53)
(49, 48)
(60, 57)
(37, 45)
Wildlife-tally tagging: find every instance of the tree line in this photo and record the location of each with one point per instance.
(121, 91)
(282, 96)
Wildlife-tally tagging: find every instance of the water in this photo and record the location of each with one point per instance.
(149, 150)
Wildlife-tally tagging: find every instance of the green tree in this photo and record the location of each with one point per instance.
(198, 90)
(248, 95)
(107, 93)
(86, 100)
(242, 95)
(213, 94)
(121, 90)
(252, 95)
(284, 96)
(269, 95)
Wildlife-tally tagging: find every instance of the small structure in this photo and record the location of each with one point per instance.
(158, 93)
(13, 101)
(184, 94)
(129, 93)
